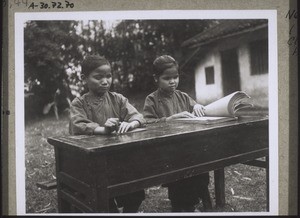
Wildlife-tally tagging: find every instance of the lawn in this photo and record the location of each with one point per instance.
(245, 185)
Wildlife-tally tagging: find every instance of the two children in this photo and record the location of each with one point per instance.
(101, 112)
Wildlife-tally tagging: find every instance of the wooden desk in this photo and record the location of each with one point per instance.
(92, 169)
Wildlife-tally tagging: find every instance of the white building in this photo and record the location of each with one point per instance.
(231, 56)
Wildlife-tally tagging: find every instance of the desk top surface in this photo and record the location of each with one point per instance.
(153, 132)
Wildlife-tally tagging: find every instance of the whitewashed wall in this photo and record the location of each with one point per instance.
(254, 85)
(208, 93)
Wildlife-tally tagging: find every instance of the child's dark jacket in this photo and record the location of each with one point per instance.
(90, 111)
(159, 105)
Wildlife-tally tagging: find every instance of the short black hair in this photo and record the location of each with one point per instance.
(162, 63)
(91, 62)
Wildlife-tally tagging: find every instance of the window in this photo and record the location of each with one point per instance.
(210, 75)
(259, 57)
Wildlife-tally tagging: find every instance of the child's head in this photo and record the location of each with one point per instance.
(166, 73)
(96, 72)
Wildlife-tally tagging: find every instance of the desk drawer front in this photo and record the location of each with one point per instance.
(74, 163)
(81, 180)
(140, 162)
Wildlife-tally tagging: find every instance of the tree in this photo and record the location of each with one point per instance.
(144, 40)
(49, 49)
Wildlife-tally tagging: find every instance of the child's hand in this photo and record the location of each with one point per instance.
(111, 124)
(199, 110)
(125, 126)
(183, 114)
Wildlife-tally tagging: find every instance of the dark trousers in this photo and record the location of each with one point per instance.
(185, 194)
(130, 202)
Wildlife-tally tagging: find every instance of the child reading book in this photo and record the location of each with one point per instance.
(166, 104)
(100, 112)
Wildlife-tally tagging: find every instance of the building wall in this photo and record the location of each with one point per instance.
(254, 85)
(208, 93)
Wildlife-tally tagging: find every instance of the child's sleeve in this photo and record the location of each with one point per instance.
(150, 113)
(79, 122)
(190, 102)
(130, 113)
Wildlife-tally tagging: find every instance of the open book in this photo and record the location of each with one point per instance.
(228, 105)
(223, 109)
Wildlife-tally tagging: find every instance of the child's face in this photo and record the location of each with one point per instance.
(169, 80)
(99, 80)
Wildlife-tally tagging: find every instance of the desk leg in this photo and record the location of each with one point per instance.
(220, 187)
(267, 183)
(102, 201)
(98, 168)
(63, 205)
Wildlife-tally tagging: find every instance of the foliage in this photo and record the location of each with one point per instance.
(49, 49)
(144, 40)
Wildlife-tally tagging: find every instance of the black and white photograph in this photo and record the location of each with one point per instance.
(147, 112)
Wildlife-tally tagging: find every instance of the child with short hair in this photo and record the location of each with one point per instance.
(166, 104)
(101, 112)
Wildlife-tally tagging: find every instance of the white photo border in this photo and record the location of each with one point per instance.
(271, 15)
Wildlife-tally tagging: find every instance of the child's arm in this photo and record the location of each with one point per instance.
(151, 116)
(183, 114)
(125, 126)
(79, 122)
(100, 130)
(110, 125)
(198, 110)
(130, 114)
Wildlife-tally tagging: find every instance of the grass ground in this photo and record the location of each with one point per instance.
(245, 185)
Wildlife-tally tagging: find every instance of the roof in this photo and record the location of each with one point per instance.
(224, 28)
